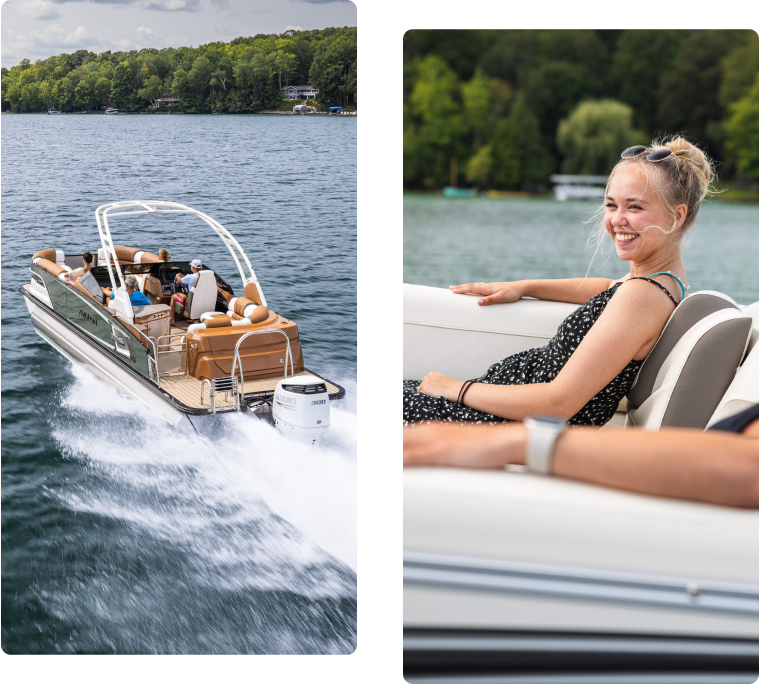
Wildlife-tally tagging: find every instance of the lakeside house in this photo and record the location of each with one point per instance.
(300, 92)
(167, 100)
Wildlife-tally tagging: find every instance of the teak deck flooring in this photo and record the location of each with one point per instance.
(186, 389)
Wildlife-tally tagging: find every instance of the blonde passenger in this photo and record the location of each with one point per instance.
(651, 201)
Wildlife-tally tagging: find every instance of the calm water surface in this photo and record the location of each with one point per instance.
(451, 241)
(120, 535)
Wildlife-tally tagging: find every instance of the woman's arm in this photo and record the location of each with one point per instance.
(715, 467)
(572, 290)
(627, 329)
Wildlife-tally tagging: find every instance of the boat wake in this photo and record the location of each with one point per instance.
(245, 522)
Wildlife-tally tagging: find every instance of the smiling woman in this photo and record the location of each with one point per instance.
(651, 200)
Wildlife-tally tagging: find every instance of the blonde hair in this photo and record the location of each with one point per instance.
(163, 254)
(686, 177)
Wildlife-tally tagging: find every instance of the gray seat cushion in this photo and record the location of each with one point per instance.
(684, 387)
(690, 311)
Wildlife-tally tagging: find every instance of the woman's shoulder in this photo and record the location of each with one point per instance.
(642, 292)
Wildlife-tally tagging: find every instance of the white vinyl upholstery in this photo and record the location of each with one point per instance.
(743, 391)
(452, 334)
(753, 311)
(203, 295)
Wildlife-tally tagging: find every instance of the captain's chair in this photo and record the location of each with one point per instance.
(202, 295)
(693, 363)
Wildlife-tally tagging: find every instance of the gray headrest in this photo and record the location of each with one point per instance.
(690, 311)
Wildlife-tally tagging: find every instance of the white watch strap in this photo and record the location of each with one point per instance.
(540, 444)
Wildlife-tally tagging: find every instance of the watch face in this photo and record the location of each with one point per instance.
(554, 420)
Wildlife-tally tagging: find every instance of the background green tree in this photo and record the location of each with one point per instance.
(121, 86)
(205, 78)
(593, 136)
(743, 132)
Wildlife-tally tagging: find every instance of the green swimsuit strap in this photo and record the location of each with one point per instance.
(672, 275)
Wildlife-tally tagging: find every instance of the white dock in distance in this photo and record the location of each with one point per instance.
(301, 408)
(578, 187)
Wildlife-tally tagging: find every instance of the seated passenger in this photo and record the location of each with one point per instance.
(163, 255)
(79, 272)
(180, 299)
(135, 296)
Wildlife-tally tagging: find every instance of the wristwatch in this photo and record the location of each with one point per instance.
(542, 433)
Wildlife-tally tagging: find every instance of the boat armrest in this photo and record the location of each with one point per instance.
(452, 334)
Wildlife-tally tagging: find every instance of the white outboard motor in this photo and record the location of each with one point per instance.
(301, 408)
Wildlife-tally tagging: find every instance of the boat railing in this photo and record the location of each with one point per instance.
(171, 354)
(288, 355)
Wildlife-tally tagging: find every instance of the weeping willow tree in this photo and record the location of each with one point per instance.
(592, 137)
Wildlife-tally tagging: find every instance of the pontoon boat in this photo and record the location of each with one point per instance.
(227, 352)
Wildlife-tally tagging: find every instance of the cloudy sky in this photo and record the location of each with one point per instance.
(36, 29)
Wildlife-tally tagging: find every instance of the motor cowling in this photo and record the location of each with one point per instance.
(301, 408)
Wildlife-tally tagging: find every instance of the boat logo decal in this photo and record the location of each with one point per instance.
(286, 400)
(88, 316)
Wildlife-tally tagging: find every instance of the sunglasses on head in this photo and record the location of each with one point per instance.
(655, 156)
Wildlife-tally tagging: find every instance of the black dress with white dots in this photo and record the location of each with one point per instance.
(533, 366)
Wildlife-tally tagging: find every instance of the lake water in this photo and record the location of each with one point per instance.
(121, 535)
(450, 241)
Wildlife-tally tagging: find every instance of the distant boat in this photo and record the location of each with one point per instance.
(53, 111)
(459, 192)
(111, 110)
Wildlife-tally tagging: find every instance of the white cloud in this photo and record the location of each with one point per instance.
(292, 28)
(170, 5)
(53, 37)
(148, 34)
(44, 10)
(162, 5)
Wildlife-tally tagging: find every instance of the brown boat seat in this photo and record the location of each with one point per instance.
(51, 268)
(126, 254)
(48, 254)
(252, 293)
(147, 258)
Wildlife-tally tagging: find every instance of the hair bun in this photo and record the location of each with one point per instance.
(699, 165)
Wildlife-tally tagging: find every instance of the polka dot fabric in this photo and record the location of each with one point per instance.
(532, 366)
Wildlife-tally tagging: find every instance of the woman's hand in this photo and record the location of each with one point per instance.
(439, 385)
(463, 446)
(496, 293)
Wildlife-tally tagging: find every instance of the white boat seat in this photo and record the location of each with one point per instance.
(753, 311)
(744, 389)
(202, 295)
(692, 365)
(452, 334)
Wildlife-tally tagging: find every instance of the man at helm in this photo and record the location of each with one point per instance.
(180, 299)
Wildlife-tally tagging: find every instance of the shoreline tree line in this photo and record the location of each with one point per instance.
(504, 110)
(243, 76)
